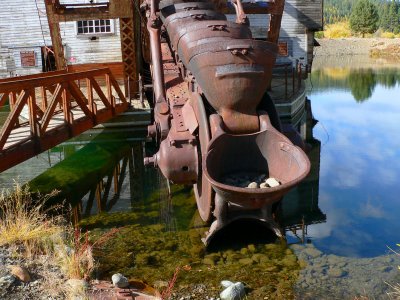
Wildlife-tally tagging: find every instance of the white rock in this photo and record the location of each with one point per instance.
(119, 280)
(226, 283)
(272, 182)
(252, 185)
(233, 292)
(264, 185)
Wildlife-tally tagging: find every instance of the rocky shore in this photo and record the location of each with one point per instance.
(354, 46)
(328, 276)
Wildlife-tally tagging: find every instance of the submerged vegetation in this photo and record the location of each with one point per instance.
(150, 250)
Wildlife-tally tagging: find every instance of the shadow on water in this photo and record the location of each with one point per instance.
(241, 233)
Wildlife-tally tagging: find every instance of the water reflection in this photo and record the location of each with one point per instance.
(361, 82)
(359, 160)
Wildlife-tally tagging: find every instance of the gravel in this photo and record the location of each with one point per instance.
(330, 276)
(45, 282)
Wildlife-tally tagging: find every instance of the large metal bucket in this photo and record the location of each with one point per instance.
(234, 75)
(197, 33)
(265, 152)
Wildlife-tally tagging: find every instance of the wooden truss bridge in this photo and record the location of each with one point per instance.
(47, 109)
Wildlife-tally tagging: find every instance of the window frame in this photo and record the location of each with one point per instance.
(94, 26)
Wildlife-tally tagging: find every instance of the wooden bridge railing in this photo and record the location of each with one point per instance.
(47, 109)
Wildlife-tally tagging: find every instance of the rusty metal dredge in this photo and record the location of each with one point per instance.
(212, 115)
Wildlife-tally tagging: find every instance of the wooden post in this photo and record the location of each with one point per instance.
(56, 40)
(128, 48)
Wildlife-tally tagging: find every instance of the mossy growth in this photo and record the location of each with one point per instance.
(81, 169)
(147, 248)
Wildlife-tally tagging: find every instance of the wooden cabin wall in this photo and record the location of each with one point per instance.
(91, 48)
(21, 31)
(299, 22)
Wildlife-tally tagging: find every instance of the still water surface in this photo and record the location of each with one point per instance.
(347, 207)
(359, 185)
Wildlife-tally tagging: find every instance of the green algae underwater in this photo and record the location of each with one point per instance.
(159, 234)
(145, 249)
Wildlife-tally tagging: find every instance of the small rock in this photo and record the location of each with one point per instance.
(245, 261)
(264, 185)
(336, 273)
(252, 185)
(233, 292)
(160, 284)
(208, 261)
(226, 283)
(119, 280)
(77, 285)
(272, 182)
(251, 248)
(6, 281)
(313, 252)
(20, 272)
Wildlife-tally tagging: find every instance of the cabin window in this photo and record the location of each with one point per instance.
(95, 27)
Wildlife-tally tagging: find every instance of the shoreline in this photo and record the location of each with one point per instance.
(356, 52)
(353, 46)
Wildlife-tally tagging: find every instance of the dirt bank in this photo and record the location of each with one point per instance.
(353, 46)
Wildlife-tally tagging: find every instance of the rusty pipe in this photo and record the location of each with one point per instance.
(154, 28)
(241, 17)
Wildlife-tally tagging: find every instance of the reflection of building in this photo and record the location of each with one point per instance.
(300, 206)
(296, 43)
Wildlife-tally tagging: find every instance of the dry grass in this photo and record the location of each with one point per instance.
(23, 221)
(42, 239)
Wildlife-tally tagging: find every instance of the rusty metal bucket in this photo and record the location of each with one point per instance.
(234, 75)
(265, 152)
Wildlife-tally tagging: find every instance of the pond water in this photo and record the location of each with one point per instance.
(339, 222)
(358, 112)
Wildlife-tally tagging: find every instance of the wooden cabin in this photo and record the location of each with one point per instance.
(25, 43)
(77, 35)
(300, 21)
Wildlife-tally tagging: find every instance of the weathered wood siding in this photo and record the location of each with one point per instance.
(299, 21)
(21, 31)
(81, 49)
(24, 28)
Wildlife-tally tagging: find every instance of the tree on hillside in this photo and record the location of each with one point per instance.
(364, 17)
(393, 17)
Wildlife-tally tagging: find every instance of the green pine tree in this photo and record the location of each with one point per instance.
(364, 17)
(393, 17)
(384, 21)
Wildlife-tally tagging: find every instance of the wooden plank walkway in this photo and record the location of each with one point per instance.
(47, 109)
